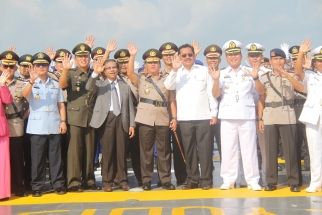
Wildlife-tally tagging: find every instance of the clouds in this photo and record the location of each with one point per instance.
(32, 25)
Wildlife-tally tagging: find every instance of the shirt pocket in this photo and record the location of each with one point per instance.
(54, 93)
(35, 116)
(71, 107)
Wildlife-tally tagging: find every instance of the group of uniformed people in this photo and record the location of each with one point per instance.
(63, 109)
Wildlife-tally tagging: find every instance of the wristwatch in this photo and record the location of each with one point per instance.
(256, 78)
(259, 119)
(175, 118)
(63, 120)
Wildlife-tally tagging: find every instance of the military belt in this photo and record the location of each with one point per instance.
(154, 102)
(13, 116)
(298, 102)
(279, 104)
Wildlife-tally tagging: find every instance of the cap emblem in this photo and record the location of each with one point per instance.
(9, 56)
(213, 49)
(253, 47)
(40, 55)
(232, 44)
(168, 47)
(62, 54)
(295, 50)
(28, 58)
(99, 51)
(152, 53)
(82, 48)
(122, 54)
(273, 54)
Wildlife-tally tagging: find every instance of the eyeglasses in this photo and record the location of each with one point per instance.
(41, 65)
(8, 66)
(185, 55)
(111, 68)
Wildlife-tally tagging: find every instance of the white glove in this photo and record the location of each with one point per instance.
(285, 48)
(136, 65)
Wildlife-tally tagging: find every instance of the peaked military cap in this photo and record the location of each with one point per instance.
(122, 56)
(277, 53)
(232, 46)
(40, 57)
(60, 53)
(317, 53)
(81, 49)
(254, 49)
(25, 60)
(168, 48)
(152, 55)
(9, 58)
(212, 51)
(98, 52)
(294, 50)
(264, 60)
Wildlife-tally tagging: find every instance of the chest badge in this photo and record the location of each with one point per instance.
(227, 87)
(37, 97)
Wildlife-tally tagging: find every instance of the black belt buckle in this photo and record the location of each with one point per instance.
(296, 102)
(273, 104)
(158, 103)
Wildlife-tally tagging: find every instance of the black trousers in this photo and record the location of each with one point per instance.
(178, 163)
(288, 134)
(159, 134)
(38, 157)
(16, 164)
(196, 143)
(27, 157)
(215, 132)
(134, 147)
(114, 148)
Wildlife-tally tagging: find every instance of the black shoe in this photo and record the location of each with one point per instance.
(115, 184)
(93, 187)
(4, 199)
(36, 193)
(146, 186)
(60, 191)
(140, 184)
(168, 186)
(206, 187)
(270, 187)
(242, 186)
(181, 182)
(76, 189)
(21, 194)
(159, 184)
(190, 186)
(295, 188)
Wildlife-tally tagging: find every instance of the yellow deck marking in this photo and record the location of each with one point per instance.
(152, 211)
(260, 211)
(89, 211)
(213, 211)
(313, 210)
(119, 196)
(279, 160)
(45, 212)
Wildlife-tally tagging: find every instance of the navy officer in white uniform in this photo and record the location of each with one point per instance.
(237, 114)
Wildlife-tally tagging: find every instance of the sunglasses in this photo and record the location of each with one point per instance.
(41, 65)
(185, 55)
(8, 66)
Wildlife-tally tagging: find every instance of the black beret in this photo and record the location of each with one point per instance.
(25, 60)
(122, 55)
(168, 48)
(9, 58)
(152, 55)
(81, 49)
(212, 51)
(60, 53)
(40, 57)
(98, 52)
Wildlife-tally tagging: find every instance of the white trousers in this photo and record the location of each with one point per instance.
(314, 140)
(245, 132)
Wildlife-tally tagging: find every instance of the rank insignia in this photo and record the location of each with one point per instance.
(9, 56)
(28, 58)
(37, 97)
(62, 54)
(99, 51)
(213, 49)
(152, 53)
(122, 54)
(82, 48)
(168, 47)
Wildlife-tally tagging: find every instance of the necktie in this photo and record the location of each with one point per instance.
(115, 99)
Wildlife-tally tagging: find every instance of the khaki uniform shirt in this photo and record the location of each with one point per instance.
(16, 125)
(276, 115)
(134, 89)
(149, 114)
(80, 102)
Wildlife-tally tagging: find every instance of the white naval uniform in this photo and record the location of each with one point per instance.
(311, 116)
(237, 113)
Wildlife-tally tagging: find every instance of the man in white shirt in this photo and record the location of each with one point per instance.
(237, 114)
(196, 111)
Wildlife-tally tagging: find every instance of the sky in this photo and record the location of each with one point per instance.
(33, 25)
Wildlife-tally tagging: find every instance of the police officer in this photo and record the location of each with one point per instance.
(122, 57)
(46, 121)
(312, 111)
(16, 124)
(152, 115)
(58, 59)
(25, 66)
(278, 119)
(168, 50)
(265, 63)
(80, 104)
(237, 114)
